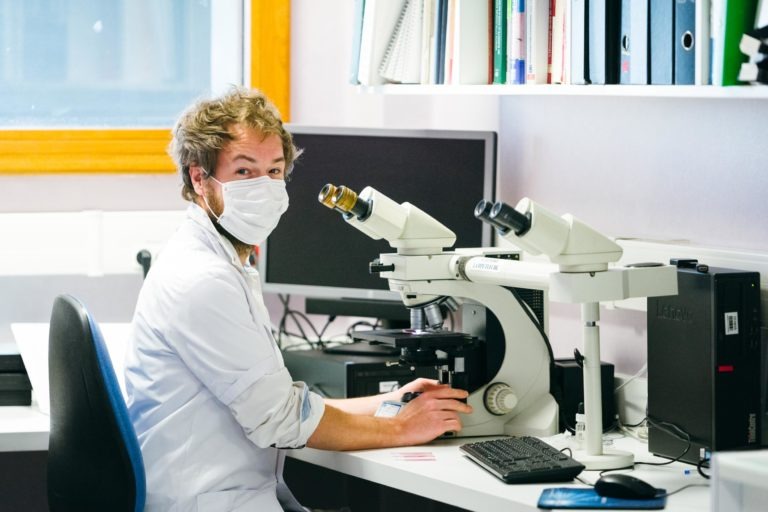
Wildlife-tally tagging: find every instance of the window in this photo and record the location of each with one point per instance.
(95, 85)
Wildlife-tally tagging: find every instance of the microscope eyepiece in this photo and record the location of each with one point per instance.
(345, 200)
(483, 209)
(511, 219)
(483, 212)
(326, 195)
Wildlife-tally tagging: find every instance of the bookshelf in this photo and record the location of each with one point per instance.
(649, 91)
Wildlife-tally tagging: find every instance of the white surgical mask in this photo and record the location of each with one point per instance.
(252, 207)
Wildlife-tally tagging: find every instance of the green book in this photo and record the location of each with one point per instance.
(739, 17)
(500, 41)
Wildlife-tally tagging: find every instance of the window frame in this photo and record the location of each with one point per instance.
(132, 151)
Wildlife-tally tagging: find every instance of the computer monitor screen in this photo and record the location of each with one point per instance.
(315, 253)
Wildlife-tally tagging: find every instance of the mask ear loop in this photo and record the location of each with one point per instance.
(205, 199)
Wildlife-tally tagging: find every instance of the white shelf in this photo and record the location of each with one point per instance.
(652, 91)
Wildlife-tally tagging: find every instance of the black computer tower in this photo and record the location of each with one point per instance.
(704, 363)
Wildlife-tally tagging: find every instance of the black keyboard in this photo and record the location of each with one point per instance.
(522, 460)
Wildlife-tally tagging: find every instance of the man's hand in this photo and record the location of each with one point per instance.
(434, 412)
(415, 386)
(431, 414)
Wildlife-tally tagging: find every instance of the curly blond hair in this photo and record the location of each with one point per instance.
(205, 128)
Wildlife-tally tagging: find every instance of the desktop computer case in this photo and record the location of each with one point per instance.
(349, 376)
(704, 363)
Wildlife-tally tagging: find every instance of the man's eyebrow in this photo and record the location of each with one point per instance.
(245, 157)
(254, 161)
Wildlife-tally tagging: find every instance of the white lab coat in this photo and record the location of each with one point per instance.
(208, 393)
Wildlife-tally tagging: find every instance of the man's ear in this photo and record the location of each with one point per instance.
(196, 176)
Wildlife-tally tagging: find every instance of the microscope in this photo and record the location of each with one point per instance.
(504, 362)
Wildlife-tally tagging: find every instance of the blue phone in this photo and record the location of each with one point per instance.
(579, 497)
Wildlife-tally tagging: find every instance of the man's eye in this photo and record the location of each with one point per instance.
(243, 172)
(276, 170)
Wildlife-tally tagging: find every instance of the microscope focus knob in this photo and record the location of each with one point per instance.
(500, 398)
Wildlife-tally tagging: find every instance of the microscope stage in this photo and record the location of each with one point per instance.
(415, 339)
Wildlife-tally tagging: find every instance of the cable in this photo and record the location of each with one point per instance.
(700, 465)
(681, 489)
(536, 324)
(670, 429)
(640, 372)
(634, 425)
(331, 318)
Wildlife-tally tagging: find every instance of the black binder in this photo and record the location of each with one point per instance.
(661, 41)
(684, 41)
(603, 27)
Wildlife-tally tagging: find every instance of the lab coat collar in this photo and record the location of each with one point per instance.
(201, 218)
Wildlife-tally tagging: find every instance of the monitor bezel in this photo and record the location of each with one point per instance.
(489, 191)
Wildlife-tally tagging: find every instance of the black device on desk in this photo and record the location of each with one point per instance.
(343, 375)
(704, 355)
(15, 388)
(569, 392)
(521, 460)
(621, 485)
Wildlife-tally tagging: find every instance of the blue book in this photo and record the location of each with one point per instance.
(625, 57)
(441, 14)
(356, 38)
(638, 69)
(579, 497)
(662, 41)
(685, 39)
(518, 43)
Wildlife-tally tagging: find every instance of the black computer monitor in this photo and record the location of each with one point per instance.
(313, 252)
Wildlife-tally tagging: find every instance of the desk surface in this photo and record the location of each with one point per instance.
(436, 471)
(23, 429)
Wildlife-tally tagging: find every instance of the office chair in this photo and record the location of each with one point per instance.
(94, 462)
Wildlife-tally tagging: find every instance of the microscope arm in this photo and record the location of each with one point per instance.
(407, 228)
(610, 285)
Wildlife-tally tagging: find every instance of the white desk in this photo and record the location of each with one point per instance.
(453, 479)
(436, 471)
(23, 429)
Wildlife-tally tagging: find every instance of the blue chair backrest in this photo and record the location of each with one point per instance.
(94, 460)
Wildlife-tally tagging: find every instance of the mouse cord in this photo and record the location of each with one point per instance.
(680, 489)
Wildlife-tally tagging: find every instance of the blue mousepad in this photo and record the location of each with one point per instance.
(577, 497)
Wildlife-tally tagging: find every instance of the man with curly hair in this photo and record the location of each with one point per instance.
(208, 394)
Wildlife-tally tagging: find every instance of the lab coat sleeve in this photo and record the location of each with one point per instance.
(232, 354)
(269, 409)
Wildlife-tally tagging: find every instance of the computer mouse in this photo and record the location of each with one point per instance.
(620, 485)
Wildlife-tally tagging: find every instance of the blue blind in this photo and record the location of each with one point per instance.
(102, 63)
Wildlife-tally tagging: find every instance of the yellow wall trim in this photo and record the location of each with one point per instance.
(271, 51)
(85, 151)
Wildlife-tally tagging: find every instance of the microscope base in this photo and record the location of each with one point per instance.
(609, 459)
